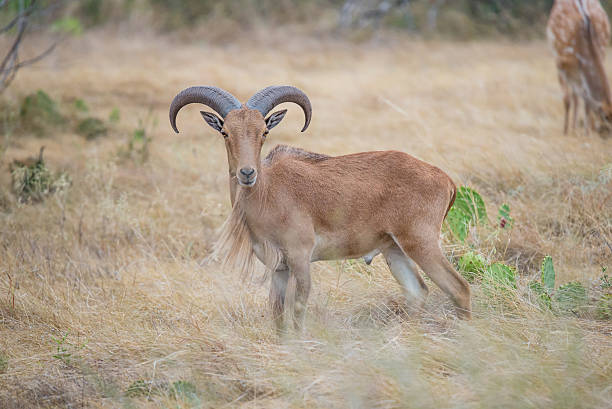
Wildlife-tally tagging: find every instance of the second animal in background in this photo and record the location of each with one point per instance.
(578, 32)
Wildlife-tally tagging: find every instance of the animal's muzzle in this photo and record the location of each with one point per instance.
(247, 176)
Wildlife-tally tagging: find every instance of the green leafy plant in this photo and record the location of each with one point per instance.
(62, 352)
(472, 265)
(65, 351)
(469, 209)
(503, 217)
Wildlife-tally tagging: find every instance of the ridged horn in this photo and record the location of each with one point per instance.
(216, 98)
(269, 97)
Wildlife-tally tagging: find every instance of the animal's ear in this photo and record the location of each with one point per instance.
(213, 120)
(275, 118)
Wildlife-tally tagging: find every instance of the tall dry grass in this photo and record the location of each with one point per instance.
(113, 265)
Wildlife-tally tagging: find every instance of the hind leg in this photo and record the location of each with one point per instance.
(567, 103)
(428, 255)
(567, 107)
(574, 104)
(405, 272)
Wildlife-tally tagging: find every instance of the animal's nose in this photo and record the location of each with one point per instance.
(247, 172)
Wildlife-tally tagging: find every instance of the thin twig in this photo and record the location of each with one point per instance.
(37, 58)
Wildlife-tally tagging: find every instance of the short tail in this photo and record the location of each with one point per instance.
(452, 199)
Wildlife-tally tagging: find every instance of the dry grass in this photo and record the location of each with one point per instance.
(114, 262)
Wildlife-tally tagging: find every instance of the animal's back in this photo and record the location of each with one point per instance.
(565, 29)
(359, 187)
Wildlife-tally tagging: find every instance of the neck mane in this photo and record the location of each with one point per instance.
(235, 241)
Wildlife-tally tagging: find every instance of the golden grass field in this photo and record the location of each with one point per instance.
(113, 266)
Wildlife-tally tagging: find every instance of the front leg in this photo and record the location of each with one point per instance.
(300, 269)
(278, 288)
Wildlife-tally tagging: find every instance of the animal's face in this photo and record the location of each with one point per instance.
(605, 113)
(244, 131)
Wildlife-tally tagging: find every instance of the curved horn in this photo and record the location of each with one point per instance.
(269, 97)
(216, 98)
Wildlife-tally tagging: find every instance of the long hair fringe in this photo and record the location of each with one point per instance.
(234, 246)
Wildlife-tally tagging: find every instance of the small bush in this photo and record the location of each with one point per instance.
(32, 181)
(39, 112)
(91, 128)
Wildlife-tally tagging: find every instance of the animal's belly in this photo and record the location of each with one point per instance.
(334, 247)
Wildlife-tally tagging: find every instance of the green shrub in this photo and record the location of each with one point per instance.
(91, 128)
(39, 112)
(32, 181)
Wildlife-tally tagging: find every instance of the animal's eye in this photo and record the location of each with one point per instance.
(224, 134)
(265, 133)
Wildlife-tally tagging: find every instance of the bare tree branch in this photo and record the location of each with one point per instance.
(27, 12)
(10, 63)
(38, 57)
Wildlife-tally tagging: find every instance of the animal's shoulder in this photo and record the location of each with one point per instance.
(284, 151)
